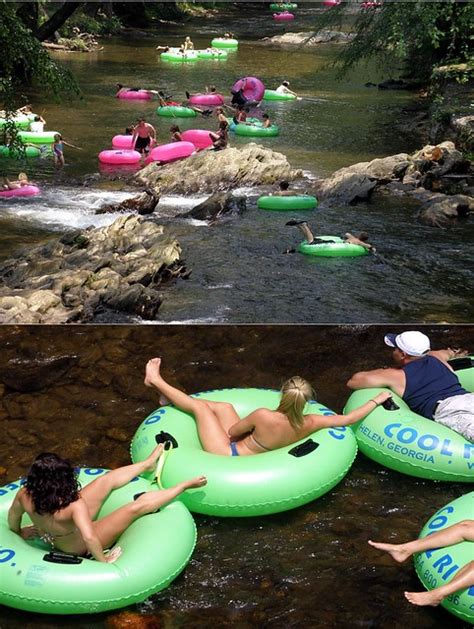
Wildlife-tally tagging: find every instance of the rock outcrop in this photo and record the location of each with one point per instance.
(438, 176)
(307, 39)
(210, 171)
(71, 279)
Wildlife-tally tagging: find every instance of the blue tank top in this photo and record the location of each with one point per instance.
(429, 381)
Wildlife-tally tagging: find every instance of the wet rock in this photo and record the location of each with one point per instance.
(216, 206)
(132, 620)
(36, 374)
(346, 188)
(210, 171)
(307, 39)
(118, 435)
(144, 203)
(444, 210)
(398, 84)
(464, 128)
(119, 267)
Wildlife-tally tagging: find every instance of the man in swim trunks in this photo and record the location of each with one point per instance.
(425, 381)
(144, 136)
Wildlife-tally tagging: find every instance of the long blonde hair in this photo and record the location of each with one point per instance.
(295, 392)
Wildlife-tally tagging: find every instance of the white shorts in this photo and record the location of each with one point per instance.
(457, 413)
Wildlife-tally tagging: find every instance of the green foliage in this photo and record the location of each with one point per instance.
(99, 25)
(419, 35)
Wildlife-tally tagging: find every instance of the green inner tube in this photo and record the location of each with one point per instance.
(172, 111)
(43, 137)
(256, 130)
(155, 549)
(337, 249)
(220, 42)
(274, 95)
(287, 203)
(411, 444)
(438, 566)
(30, 151)
(175, 56)
(256, 485)
(20, 122)
(284, 6)
(217, 54)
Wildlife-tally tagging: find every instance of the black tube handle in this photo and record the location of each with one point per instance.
(304, 448)
(390, 405)
(56, 556)
(163, 437)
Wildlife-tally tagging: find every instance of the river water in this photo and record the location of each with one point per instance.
(309, 567)
(239, 271)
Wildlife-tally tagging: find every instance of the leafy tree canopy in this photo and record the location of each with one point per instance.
(419, 35)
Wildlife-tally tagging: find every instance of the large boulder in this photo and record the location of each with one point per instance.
(356, 183)
(209, 171)
(307, 39)
(216, 206)
(144, 203)
(74, 278)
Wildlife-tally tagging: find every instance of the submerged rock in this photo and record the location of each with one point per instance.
(216, 206)
(144, 203)
(209, 171)
(443, 210)
(120, 267)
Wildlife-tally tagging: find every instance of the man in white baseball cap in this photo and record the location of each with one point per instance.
(424, 380)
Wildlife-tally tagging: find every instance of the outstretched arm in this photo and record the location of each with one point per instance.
(332, 421)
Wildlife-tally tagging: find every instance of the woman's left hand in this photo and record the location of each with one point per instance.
(28, 532)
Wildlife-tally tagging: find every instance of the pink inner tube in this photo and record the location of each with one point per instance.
(24, 191)
(331, 3)
(207, 99)
(171, 151)
(254, 89)
(283, 17)
(139, 95)
(199, 137)
(119, 157)
(122, 141)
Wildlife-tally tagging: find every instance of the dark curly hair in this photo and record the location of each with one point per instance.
(52, 483)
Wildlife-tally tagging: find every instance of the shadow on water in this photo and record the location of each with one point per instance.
(79, 391)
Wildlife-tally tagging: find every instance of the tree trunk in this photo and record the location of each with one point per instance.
(28, 14)
(47, 30)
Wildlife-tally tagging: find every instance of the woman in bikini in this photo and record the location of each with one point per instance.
(221, 431)
(63, 514)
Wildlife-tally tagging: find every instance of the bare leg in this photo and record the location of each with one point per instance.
(96, 492)
(109, 528)
(213, 436)
(307, 233)
(463, 578)
(460, 532)
(225, 412)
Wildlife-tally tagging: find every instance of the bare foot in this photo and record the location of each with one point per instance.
(424, 598)
(152, 372)
(150, 462)
(396, 551)
(199, 481)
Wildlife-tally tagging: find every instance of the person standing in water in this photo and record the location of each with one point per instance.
(144, 136)
(58, 149)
